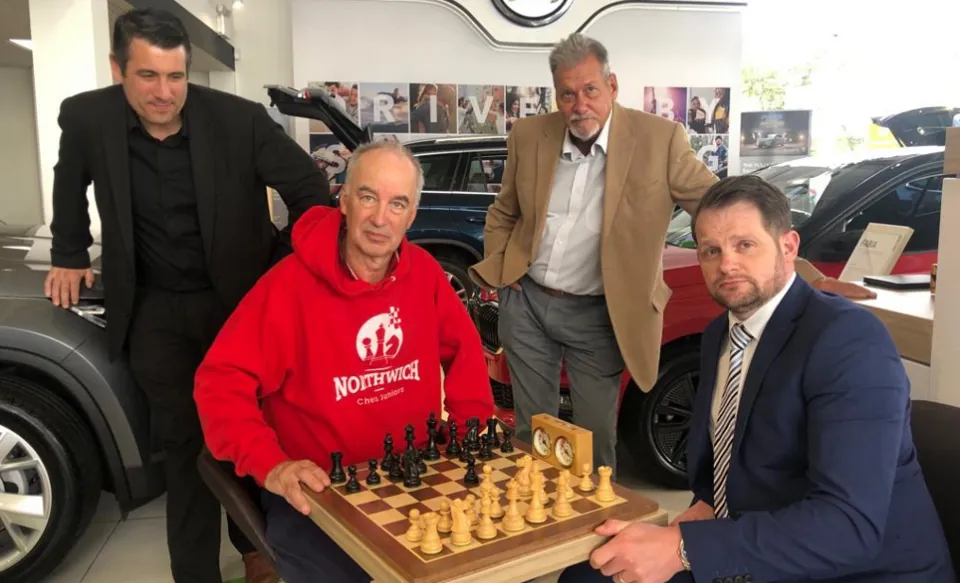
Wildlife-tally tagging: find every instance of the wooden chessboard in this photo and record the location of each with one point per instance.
(370, 525)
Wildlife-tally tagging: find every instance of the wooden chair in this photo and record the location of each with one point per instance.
(933, 425)
(237, 502)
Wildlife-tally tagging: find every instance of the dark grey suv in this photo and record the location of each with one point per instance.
(72, 423)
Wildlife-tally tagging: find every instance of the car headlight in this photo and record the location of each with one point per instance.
(96, 314)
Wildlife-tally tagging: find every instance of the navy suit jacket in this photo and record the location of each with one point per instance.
(824, 482)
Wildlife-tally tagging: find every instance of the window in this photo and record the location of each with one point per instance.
(914, 204)
(438, 171)
(485, 172)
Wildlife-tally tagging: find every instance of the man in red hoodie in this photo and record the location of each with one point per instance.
(337, 345)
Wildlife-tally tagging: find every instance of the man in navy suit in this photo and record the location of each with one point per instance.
(801, 458)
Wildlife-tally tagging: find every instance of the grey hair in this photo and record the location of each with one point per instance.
(576, 48)
(389, 146)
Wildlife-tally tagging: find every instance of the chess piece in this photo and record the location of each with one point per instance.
(388, 458)
(373, 478)
(432, 423)
(414, 534)
(471, 442)
(396, 471)
(445, 524)
(353, 486)
(336, 474)
(506, 446)
(492, 433)
(496, 511)
(432, 453)
(523, 477)
(431, 544)
(568, 494)
(535, 512)
(562, 507)
(486, 530)
(471, 479)
(605, 491)
(409, 436)
(411, 471)
(453, 448)
(487, 485)
(513, 520)
(470, 508)
(460, 532)
(485, 453)
(420, 463)
(586, 484)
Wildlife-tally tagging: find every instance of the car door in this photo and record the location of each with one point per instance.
(914, 203)
(439, 173)
(478, 188)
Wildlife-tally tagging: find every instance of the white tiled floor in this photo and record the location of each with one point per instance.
(135, 551)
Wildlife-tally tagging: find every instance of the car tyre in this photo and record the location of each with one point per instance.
(71, 459)
(455, 266)
(654, 426)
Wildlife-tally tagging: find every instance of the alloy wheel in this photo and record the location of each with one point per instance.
(458, 286)
(25, 502)
(670, 423)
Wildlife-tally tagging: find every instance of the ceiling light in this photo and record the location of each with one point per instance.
(23, 43)
(237, 4)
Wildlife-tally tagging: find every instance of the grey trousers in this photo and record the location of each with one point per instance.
(541, 332)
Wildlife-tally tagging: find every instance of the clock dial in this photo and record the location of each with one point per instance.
(564, 452)
(541, 442)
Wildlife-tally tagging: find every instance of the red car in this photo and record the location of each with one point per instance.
(833, 201)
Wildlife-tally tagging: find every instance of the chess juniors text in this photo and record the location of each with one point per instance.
(802, 463)
(338, 344)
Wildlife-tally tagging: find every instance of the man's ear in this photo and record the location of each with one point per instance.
(115, 69)
(790, 244)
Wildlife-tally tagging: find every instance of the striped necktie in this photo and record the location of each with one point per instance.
(727, 419)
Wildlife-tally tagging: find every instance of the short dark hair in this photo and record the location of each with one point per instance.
(158, 27)
(765, 197)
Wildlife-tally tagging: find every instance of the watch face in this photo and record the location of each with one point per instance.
(564, 452)
(541, 442)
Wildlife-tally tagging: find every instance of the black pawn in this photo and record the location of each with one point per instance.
(353, 485)
(421, 465)
(485, 453)
(336, 474)
(432, 453)
(388, 459)
(373, 478)
(492, 432)
(453, 449)
(471, 478)
(432, 423)
(506, 446)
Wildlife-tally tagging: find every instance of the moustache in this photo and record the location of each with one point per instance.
(576, 117)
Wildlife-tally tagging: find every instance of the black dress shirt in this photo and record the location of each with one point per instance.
(166, 228)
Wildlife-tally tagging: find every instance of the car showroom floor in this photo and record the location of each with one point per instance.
(134, 551)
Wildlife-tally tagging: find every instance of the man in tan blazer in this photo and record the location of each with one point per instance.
(574, 242)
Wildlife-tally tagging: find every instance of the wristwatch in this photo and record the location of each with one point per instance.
(682, 551)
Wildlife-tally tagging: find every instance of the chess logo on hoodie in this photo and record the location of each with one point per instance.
(378, 345)
(380, 338)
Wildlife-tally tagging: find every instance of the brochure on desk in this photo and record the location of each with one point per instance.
(877, 251)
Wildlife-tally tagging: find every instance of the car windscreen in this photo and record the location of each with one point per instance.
(811, 189)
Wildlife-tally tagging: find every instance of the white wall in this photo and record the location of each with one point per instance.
(428, 40)
(20, 199)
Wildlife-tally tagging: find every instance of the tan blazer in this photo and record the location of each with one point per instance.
(650, 167)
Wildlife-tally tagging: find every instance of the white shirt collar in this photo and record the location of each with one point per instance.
(758, 321)
(572, 152)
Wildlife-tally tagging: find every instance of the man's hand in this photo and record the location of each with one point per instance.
(62, 285)
(844, 288)
(699, 511)
(639, 552)
(285, 479)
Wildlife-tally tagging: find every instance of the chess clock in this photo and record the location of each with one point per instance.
(561, 444)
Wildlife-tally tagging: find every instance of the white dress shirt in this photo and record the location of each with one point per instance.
(755, 325)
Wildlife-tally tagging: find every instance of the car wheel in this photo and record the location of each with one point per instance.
(655, 425)
(49, 480)
(456, 269)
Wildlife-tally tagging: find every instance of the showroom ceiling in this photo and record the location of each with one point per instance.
(15, 24)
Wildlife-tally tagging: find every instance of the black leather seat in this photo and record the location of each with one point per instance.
(237, 502)
(933, 425)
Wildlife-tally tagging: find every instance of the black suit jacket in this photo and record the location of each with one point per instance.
(237, 150)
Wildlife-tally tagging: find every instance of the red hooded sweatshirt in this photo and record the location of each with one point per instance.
(315, 361)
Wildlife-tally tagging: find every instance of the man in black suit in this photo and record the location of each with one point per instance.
(180, 175)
